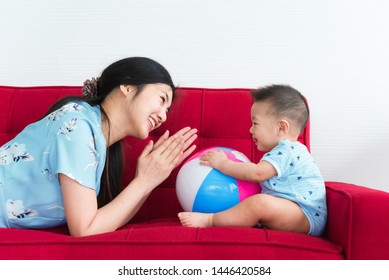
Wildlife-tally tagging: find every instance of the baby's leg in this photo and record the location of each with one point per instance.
(269, 211)
(242, 214)
(247, 213)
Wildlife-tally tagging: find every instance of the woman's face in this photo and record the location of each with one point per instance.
(148, 109)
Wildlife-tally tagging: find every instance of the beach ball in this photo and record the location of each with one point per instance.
(204, 189)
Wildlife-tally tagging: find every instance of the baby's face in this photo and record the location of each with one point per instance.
(265, 127)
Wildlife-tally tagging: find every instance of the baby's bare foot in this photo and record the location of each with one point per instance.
(194, 219)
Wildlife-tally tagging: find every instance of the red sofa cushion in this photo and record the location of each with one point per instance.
(165, 239)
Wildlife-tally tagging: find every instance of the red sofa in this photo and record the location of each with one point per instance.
(357, 225)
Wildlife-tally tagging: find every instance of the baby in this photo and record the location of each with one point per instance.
(293, 194)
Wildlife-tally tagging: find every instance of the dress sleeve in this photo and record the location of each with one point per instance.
(74, 153)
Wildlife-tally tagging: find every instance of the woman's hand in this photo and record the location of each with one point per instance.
(188, 136)
(157, 161)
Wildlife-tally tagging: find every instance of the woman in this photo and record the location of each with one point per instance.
(66, 167)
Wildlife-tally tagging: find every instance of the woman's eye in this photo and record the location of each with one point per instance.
(163, 99)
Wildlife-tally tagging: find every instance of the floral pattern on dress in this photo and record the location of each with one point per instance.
(54, 116)
(93, 153)
(13, 153)
(16, 210)
(68, 127)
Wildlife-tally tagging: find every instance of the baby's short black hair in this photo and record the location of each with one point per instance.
(286, 102)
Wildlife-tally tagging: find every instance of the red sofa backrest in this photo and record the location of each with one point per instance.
(222, 117)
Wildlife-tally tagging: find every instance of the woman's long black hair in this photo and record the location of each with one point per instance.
(136, 71)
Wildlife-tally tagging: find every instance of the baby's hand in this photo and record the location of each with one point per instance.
(213, 158)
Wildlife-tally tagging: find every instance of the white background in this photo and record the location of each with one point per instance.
(336, 52)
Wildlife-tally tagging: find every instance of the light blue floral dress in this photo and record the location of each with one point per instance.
(68, 141)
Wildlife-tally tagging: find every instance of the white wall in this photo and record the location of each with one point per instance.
(336, 52)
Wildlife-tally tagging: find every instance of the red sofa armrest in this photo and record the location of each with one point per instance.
(358, 220)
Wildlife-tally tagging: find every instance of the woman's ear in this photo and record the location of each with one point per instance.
(284, 127)
(125, 89)
(128, 90)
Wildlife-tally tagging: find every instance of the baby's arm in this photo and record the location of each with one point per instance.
(247, 171)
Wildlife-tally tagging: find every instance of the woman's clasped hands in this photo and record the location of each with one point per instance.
(157, 160)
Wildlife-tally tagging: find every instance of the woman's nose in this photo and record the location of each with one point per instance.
(162, 116)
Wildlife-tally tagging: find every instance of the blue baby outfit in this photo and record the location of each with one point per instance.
(298, 179)
(68, 141)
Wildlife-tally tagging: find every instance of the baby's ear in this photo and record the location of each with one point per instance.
(284, 126)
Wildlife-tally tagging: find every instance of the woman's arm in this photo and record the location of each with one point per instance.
(84, 218)
(154, 166)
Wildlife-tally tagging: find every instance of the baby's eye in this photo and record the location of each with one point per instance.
(163, 99)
